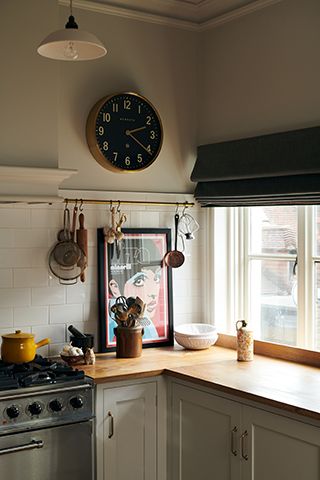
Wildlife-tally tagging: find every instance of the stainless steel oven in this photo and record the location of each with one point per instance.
(46, 430)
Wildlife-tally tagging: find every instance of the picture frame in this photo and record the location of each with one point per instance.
(136, 267)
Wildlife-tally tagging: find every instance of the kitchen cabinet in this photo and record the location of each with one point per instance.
(126, 422)
(215, 437)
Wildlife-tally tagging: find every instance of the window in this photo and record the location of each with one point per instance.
(266, 267)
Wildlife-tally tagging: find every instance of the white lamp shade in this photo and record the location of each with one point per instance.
(87, 45)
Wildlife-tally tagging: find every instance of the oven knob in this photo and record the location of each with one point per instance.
(35, 408)
(76, 402)
(13, 411)
(55, 405)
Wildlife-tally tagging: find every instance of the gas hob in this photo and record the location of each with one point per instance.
(43, 393)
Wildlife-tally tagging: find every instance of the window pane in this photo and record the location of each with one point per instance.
(273, 230)
(317, 229)
(273, 301)
(317, 308)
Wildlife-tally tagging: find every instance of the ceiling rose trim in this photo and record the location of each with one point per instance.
(196, 17)
(132, 14)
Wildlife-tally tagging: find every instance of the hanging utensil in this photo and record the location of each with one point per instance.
(82, 241)
(188, 226)
(66, 259)
(119, 233)
(110, 232)
(175, 258)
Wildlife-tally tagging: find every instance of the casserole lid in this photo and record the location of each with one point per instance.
(18, 334)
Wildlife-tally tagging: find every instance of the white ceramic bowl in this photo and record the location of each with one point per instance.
(195, 336)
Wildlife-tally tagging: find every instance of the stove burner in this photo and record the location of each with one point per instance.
(40, 371)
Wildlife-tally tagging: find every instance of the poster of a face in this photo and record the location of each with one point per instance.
(137, 269)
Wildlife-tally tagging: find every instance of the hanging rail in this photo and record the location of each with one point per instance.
(127, 202)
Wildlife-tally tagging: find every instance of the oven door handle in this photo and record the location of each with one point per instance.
(28, 446)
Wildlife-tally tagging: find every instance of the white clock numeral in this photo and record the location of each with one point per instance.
(115, 107)
(148, 120)
(127, 104)
(127, 160)
(101, 131)
(149, 148)
(152, 135)
(115, 156)
(106, 117)
(105, 146)
(139, 108)
(139, 157)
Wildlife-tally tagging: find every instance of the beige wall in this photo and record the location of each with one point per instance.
(44, 104)
(153, 60)
(28, 87)
(261, 73)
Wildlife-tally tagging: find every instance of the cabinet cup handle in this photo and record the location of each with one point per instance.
(111, 426)
(233, 441)
(242, 437)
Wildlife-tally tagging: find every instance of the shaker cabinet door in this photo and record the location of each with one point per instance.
(130, 432)
(278, 448)
(204, 436)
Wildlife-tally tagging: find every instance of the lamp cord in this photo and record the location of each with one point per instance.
(71, 7)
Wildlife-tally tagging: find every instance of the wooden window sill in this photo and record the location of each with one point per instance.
(275, 350)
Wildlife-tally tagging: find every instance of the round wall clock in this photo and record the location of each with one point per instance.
(124, 132)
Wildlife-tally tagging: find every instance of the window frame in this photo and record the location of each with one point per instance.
(237, 258)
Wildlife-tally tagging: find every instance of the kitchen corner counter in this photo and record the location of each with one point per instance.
(276, 383)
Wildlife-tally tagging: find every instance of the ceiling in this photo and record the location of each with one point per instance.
(196, 12)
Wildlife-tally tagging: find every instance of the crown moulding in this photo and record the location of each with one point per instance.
(31, 184)
(197, 15)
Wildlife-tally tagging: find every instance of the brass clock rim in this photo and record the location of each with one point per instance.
(91, 136)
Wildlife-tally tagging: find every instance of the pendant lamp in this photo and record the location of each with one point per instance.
(71, 44)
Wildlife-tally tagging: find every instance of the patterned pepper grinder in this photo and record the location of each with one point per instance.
(244, 342)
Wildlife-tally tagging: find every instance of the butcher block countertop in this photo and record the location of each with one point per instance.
(276, 383)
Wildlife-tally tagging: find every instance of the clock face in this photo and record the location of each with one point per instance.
(124, 132)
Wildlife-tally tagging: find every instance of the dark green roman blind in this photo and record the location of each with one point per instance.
(277, 169)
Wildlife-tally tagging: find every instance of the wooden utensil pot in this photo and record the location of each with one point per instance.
(129, 341)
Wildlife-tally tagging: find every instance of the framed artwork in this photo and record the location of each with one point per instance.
(136, 269)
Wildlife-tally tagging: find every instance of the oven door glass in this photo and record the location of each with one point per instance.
(61, 453)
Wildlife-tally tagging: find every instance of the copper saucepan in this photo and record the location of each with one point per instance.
(175, 258)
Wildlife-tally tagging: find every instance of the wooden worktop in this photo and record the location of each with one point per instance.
(277, 383)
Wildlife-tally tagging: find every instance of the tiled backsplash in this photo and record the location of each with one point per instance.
(32, 300)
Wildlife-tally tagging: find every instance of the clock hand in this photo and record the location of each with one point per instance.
(128, 132)
(138, 142)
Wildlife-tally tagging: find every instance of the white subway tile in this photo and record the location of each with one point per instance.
(48, 296)
(6, 278)
(14, 218)
(144, 219)
(30, 238)
(15, 297)
(30, 277)
(47, 218)
(30, 316)
(6, 317)
(56, 333)
(6, 238)
(90, 312)
(15, 257)
(81, 293)
(66, 313)
(39, 257)
(43, 351)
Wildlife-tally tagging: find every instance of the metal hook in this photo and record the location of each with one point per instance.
(118, 207)
(177, 207)
(81, 205)
(66, 204)
(184, 208)
(110, 205)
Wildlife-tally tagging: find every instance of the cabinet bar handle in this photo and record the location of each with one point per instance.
(111, 426)
(242, 437)
(233, 441)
